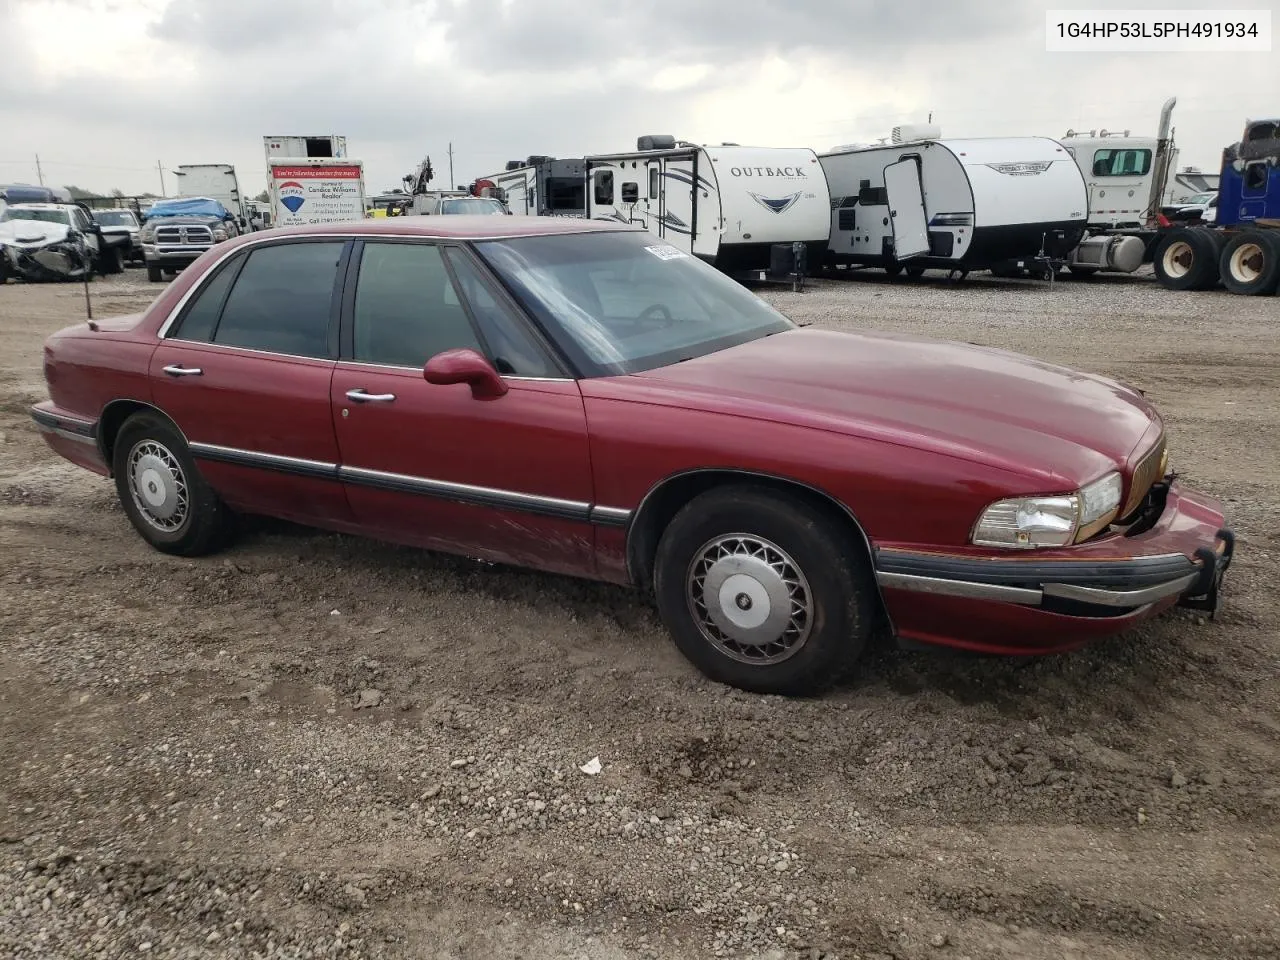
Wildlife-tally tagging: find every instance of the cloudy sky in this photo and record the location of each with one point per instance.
(103, 90)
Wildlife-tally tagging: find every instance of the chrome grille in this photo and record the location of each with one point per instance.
(185, 235)
(1148, 472)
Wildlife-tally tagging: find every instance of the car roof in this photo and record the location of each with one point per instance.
(462, 227)
(34, 205)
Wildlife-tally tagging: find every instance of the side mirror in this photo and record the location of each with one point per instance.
(465, 366)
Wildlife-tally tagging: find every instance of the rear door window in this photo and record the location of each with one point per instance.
(282, 301)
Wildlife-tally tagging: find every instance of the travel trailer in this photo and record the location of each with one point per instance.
(921, 202)
(729, 205)
(539, 186)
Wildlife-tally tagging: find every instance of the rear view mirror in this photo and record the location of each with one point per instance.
(465, 366)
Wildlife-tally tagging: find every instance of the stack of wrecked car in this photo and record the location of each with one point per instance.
(47, 242)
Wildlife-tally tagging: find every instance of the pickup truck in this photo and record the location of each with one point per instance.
(176, 232)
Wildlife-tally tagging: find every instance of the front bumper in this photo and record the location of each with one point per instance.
(170, 256)
(1045, 601)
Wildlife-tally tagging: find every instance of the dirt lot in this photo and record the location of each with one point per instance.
(316, 746)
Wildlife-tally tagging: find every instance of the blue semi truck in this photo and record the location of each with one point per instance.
(1241, 250)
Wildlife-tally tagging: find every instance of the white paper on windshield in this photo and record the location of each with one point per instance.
(665, 251)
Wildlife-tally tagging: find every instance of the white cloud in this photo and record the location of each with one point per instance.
(103, 89)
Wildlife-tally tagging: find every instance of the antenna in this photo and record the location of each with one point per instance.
(84, 273)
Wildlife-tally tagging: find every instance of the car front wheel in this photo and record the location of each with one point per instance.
(762, 592)
(166, 499)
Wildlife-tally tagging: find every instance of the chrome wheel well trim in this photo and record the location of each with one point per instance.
(145, 405)
(743, 474)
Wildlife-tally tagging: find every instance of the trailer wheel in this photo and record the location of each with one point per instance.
(893, 269)
(1187, 259)
(915, 272)
(1250, 263)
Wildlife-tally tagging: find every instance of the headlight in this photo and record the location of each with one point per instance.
(1028, 522)
(219, 235)
(148, 233)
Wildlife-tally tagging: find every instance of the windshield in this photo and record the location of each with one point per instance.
(44, 216)
(1202, 198)
(470, 205)
(115, 218)
(625, 302)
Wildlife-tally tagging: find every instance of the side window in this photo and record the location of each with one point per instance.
(81, 221)
(630, 192)
(201, 316)
(406, 310)
(282, 299)
(653, 183)
(604, 186)
(514, 351)
(1121, 163)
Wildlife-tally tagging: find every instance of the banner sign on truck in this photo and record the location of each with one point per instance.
(317, 194)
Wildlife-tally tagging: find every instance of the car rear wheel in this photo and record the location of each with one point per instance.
(759, 591)
(167, 500)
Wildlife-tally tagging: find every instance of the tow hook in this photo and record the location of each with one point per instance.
(1204, 595)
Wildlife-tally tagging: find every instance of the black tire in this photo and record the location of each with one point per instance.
(833, 574)
(893, 269)
(154, 273)
(1187, 259)
(1007, 270)
(1249, 263)
(150, 454)
(915, 272)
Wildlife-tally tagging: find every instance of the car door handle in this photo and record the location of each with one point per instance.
(177, 370)
(359, 396)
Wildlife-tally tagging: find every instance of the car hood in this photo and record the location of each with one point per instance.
(1057, 425)
(32, 233)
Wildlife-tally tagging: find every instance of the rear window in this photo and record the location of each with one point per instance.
(282, 300)
(1121, 163)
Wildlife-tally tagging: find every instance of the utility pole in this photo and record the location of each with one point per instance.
(451, 183)
(160, 167)
(39, 172)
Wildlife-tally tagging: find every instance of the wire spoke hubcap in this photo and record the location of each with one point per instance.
(750, 599)
(158, 485)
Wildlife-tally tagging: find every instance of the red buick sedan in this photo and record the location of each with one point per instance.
(581, 398)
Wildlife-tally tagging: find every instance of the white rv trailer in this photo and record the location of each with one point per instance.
(538, 187)
(923, 202)
(728, 204)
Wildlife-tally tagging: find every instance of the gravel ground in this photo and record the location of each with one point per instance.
(320, 746)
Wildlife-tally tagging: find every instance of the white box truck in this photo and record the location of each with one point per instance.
(216, 181)
(310, 191)
(327, 147)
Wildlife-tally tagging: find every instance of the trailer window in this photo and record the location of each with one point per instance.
(565, 193)
(1121, 163)
(653, 183)
(604, 186)
(630, 192)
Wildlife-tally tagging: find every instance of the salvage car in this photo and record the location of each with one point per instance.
(176, 232)
(579, 397)
(121, 225)
(53, 241)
